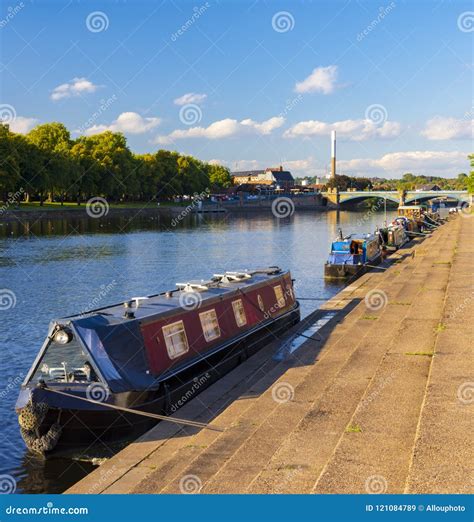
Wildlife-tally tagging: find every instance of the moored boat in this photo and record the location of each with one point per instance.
(352, 255)
(393, 236)
(423, 218)
(148, 354)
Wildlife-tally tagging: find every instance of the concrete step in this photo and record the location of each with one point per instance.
(375, 455)
(443, 455)
(234, 449)
(304, 454)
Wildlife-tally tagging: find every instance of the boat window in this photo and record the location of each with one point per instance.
(210, 325)
(239, 312)
(64, 363)
(279, 296)
(175, 339)
(260, 303)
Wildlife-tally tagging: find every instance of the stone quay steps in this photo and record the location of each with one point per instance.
(374, 453)
(443, 456)
(248, 448)
(352, 410)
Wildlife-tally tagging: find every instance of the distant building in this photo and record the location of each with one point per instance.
(430, 186)
(271, 176)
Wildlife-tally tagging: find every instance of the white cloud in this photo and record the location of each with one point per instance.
(395, 164)
(127, 122)
(224, 129)
(190, 97)
(22, 125)
(440, 128)
(322, 79)
(75, 87)
(391, 165)
(354, 130)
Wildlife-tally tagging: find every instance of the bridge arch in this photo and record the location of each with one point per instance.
(359, 197)
(420, 198)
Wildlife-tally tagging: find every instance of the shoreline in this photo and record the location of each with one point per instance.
(12, 216)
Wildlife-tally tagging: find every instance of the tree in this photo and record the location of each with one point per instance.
(55, 141)
(170, 183)
(113, 164)
(219, 176)
(9, 162)
(340, 182)
(470, 180)
(32, 164)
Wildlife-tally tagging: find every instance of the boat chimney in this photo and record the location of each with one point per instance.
(333, 154)
(128, 314)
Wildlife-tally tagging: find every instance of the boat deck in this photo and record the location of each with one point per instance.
(151, 305)
(379, 400)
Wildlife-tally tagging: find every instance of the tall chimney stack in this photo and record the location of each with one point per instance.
(333, 154)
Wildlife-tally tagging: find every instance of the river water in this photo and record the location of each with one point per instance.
(55, 268)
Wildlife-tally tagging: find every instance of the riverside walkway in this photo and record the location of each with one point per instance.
(380, 400)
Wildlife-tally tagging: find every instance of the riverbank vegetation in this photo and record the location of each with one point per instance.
(47, 165)
(407, 182)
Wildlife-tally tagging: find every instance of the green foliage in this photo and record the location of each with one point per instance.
(470, 178)
(407, 182)
(48, 165)
(9, 162)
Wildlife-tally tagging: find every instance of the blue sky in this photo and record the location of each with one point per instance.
(266, 82)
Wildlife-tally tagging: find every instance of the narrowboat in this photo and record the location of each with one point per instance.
(421, 215)
(352, 255)
(393, 237)
(149, 354)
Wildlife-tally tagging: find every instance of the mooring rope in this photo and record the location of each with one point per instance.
(156, 416)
